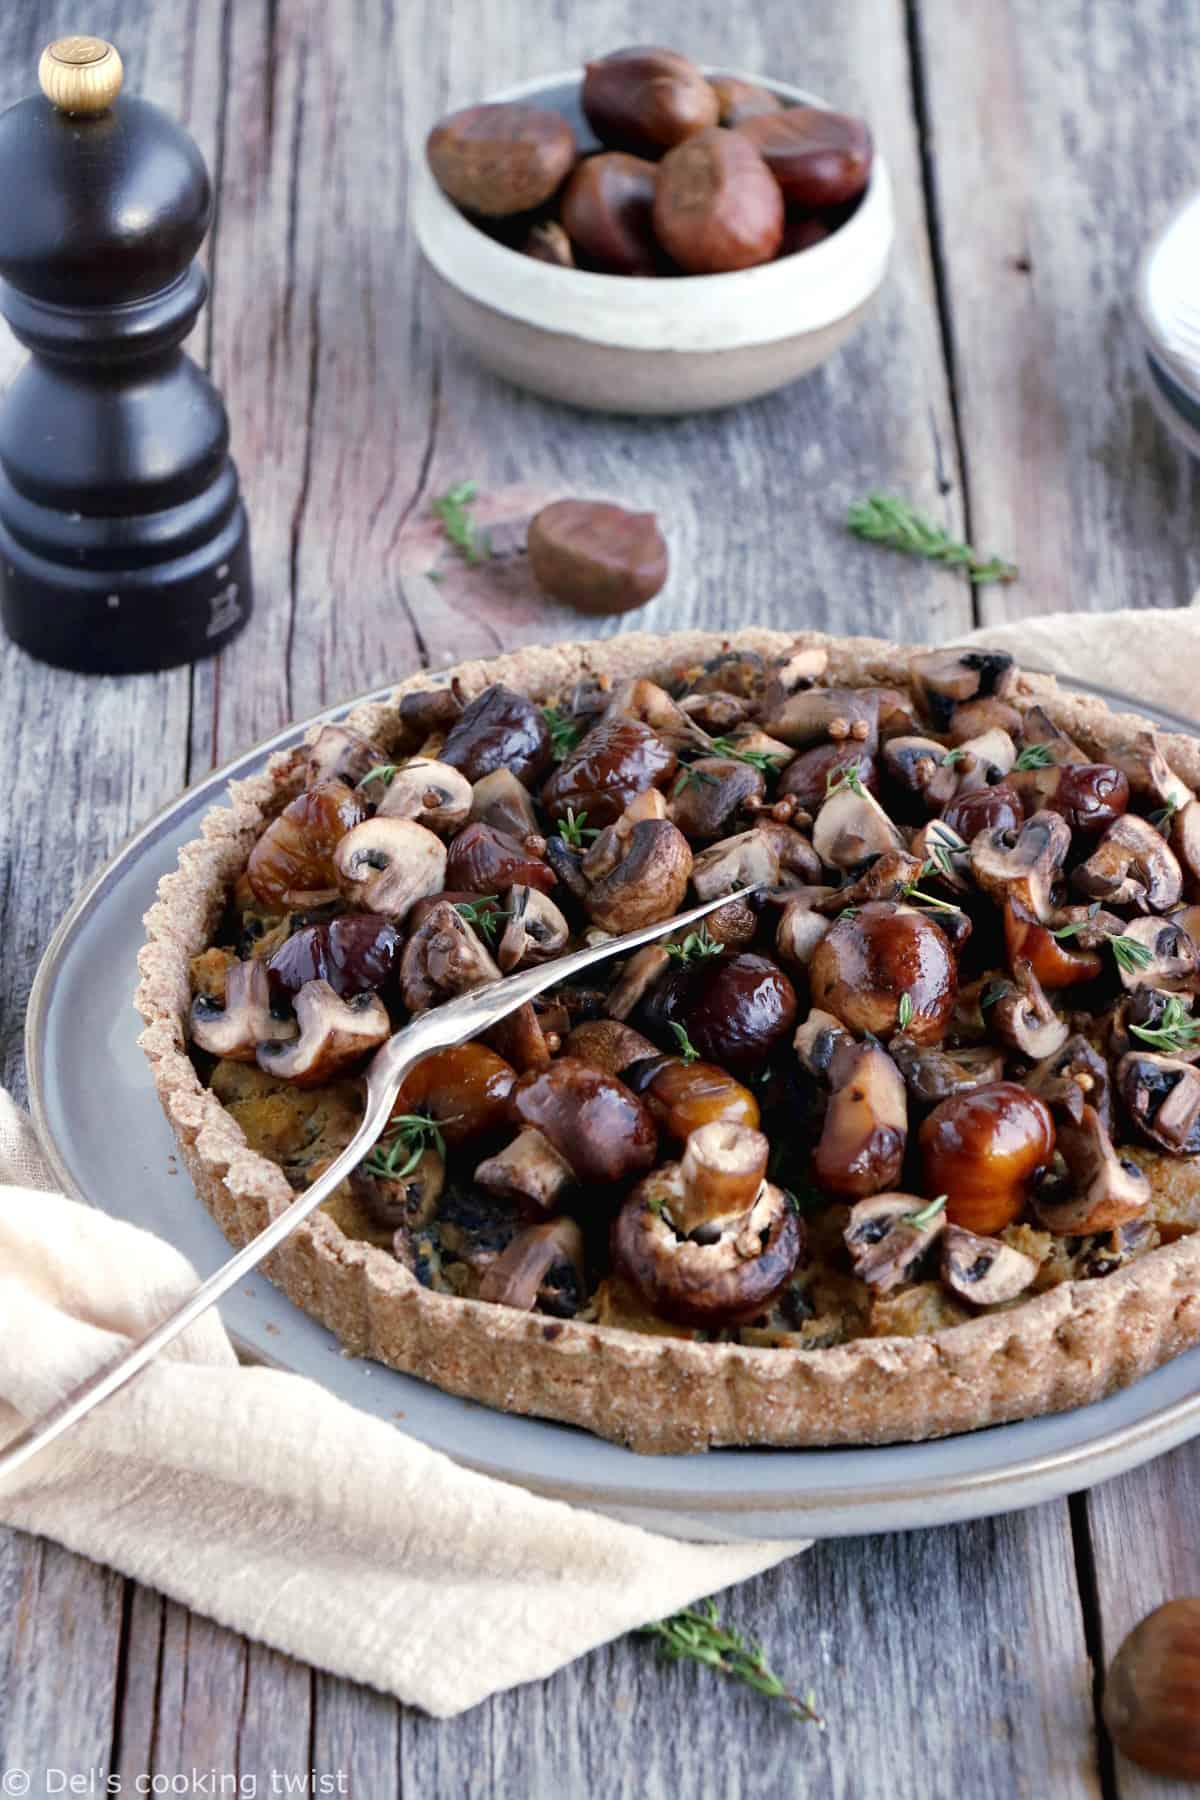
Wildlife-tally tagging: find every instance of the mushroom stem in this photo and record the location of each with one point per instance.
(518, 1272)
(723, 1168)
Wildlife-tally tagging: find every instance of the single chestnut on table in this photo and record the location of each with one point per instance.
(1152, 1695)
(596, 556)
(501, 159)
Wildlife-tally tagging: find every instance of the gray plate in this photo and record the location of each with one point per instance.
(108, 1142)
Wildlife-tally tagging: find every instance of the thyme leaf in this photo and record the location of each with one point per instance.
(1077, 925)
(385, 772)
(1177, 1029)
(691, 777)
(697, 1635)
(904, 1014)
(407, 1137)
(572, 830)
(846, 775)
(484, 914)
(767, 762)
(694, 947)
(687, 1049)
(886, 519)
(1033, 756)
(924, 1214)
(1164, 818)
(453, 509)
(1131, 956)
(564, 732)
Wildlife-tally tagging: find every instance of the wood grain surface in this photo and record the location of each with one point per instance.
(996, 386)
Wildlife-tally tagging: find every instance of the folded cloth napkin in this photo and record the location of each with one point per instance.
(257, 1498)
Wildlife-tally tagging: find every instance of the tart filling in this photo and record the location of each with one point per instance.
(945, 1061)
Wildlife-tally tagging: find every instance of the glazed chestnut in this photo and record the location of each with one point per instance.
(738, 99)
(603, 1130)
(607, 209)
(597, 557)
(465, 1089)
(1152, 1695)
(710, 792)
(734, 1009)
(685, 1095)
(500, 159)
(865, 964)
(483, 860)
(499, 729)
(1090, 796)
(807, 776)
(352, 954)
(292, 862)
(998, 808)
(645, 99)
(717, 205)
(1056, 962)
(617, 760)
(984, 1151)
(819, 158)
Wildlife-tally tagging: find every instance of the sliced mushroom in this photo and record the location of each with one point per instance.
(334, 1036)
(943, 679)
(846, 715)
(723, 1168)
(887, 878)
(642, 699)
(529, 1170)
(536, 930)
(799, 669)
(852, 826)
(818, 1040)
(939, 843)
(1104, 1189)
(710, 791)
(971, 718)
(915, 764)
(1174, 964)
(931, 1074)
(432, 793)
(443, 957)
(647, 884)
(708, 1285)
(1133, 865)
(747, 860)
(1148, 1011)
(715, 711)
(798, 932)
(542, 1267)
(236, 1026)
(1037, 727)
(339, 754)
(644, 968)
(1072, 1077)
(861, 1148)
(1024, 870)
(603, 1130)
(387, 865)
(984, 1270)
(1151, 778)
(502, 801)
(886, 1242)
(984, 760)
(1162, 1096)
(1025, 1020)
(798, 861)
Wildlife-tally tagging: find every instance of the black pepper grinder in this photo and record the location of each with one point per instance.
(123, 540)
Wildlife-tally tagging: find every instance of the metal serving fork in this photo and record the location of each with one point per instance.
(438, 1029)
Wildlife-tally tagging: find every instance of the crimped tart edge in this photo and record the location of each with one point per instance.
(1065, 1348)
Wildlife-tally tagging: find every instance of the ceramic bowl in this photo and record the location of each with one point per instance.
(1168, 317)
(624, 343)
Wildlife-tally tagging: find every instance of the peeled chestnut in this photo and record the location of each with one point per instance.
(500, 159)
(717, 206)
(352, 954)
(465, 1090)
(607, 209)
(867, 963)
(593, 1120)
(819, 158)
(984, 1150)
(646, 99)
(685, 1095)
(998, 808)
(597, 557)
(292, 862)
(807, 776)
(734, 1009)
(483, 860)
(1152, 1696)
(738, 99)
(617, 760)
(499, 729)
(1090, 796)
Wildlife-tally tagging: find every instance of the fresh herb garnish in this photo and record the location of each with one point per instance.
(937, 862)
(1077, 925)
(953, 756)
(697, 1635)
(914, 892)
(564, 732)
(1033, 756)
(1164, 818)
(1131, 956)
(385, 772)
(405, 1141)
(452, 508)
(846, 775)
(687, 1049)
(995, 990)
(848, 912)
(573, 831)
(484, 914)
(1177, 1030)
(924, 1214)
(886, 519)
(694, 947)
(904, 1013)
(690, 776)
(765, 761)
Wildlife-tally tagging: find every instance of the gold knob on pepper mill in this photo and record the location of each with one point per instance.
(81, 74)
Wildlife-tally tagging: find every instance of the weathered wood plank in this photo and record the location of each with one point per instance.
(1054, 159)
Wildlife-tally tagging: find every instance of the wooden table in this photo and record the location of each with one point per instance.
(1033, 147)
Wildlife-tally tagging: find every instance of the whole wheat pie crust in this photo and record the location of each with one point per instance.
(669, 1389)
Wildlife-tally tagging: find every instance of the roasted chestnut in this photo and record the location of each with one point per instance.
(499, 729)
(483, 860)
(603, 1130)
(734, 1009)
(819, 158)
(597, 557)
(292, 862)
(617, 760)
(984, 1151)
(717, 205)
(1090, 796)
(998, 808)
(808, 776)
(645, 99)
(465, 1090)
(352, 954)
(738, 99)
(685, 1095)
(500, 159)
(885, 968)
(607, 209)
(710, 791)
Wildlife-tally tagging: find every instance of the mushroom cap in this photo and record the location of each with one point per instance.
(334, 1036)
(1175, 957)
(443, 957)
(1023, 870)
(866, 963)
(536, 930)
(520, 1273)
(1162, 1096)
(747, 859)
(434, 794)
(387, 865)
(932, 1074)
(647, 884)
(984, 1270)
(886, 1245)
(1105, 1190)
(339, 754)
(1133, 865)
(603, 1130)
(1025, 1020)
(235, 1027)
(705, 1285)
(500, 799)
(798, 932)
(861, 1148)
(943, 679)
(852, 826)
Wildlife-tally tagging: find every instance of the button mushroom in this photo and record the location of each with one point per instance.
(984, 1270)
(819, 1040)
(236, 1026)
(339, 754)
(971, 718)
(603, 1130)
(1024, 870)
(984, 1151)
(861, 1148)
(1070, 1077)
(798, 932)
(847, 715)
(932, 1074)
(1103, 1189)
(647, 884)
(1133, 865)
(867, 964)
(387, 865)
(1151, 778)
(984, 761)
(334, 1036)
(722, 1172)
(707, 1285)
(917, 767)
(1162, 1097)
(536, 930)
(432, 793)
(443, 957)
(542, 1267)
(1024, 1019)
(944, 679)
(529, 1170)
(852, 826)
(1174, 964)
(502, 801)
(889, 877)
(889, 1237)
(746, 860)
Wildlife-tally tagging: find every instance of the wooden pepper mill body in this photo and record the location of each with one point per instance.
(123, 540)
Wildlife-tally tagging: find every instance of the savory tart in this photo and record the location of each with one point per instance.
(907, 1145)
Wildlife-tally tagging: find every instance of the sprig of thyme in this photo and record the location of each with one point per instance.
(573, 831)
(687, 1049)
(1033, 756)
(564, 732)
(886, 519)
(408, 1136)
(690, 776)
(1131, 956)
(484, 914)
(846, 775)
(697, 1635)
(453, 510)
(1177, 1029)
(904, 1012)
(385, 772)
(765, 761)
(1164, 818)
(694, 947)
(924, 1214)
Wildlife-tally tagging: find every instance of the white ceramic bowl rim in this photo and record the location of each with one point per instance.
(802, 293)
